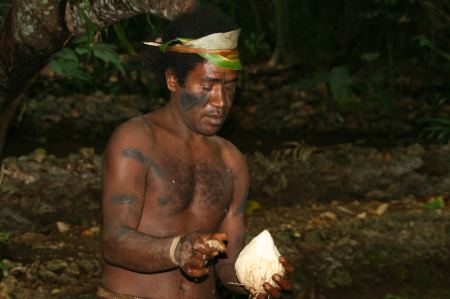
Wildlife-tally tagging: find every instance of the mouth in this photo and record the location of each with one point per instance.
(215, 119)
(217, 116)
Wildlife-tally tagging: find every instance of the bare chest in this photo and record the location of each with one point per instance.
(176, 185)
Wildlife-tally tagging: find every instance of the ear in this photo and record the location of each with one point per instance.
(171, 80)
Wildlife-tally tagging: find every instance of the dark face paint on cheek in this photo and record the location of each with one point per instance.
(189, 100)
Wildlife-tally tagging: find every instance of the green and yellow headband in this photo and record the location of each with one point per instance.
(218, 48)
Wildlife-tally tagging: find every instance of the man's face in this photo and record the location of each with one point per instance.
(206, 98)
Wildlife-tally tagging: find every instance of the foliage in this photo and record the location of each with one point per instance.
(251, 206)
(435, 203)
(339, 81)
(437, 129)
(255, 45)
(293, 151)
(4, 236)
(390, 296)
(86, 48)
(346, 91)
(270, 174)
(425, 42)
(96, 57)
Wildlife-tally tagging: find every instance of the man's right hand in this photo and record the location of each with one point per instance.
(193, 252)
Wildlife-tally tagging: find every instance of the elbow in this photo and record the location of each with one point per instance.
(110, 248)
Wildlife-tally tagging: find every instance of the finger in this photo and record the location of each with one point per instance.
(203, 249)
(197, 263)
(282, 282)
(255, 294)
(275, 292)
(200, 256)
(219, 236)
(262, 295)
(193, 272)
(288, 267)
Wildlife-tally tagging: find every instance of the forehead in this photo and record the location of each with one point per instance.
(207, 70)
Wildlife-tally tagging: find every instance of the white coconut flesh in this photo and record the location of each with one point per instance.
(258, 262)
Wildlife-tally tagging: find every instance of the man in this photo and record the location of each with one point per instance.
(170, 185)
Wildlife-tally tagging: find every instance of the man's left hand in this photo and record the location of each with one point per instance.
(283, 284)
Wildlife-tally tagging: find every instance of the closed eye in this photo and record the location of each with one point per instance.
(208, 87)
(230, 87)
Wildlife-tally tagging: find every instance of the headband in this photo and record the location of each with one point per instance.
(218, 48)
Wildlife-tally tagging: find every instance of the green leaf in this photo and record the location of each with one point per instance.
(55, 66)
(149, 22)
(252, 205)
(106, 52)
(81, 75)
(80, 40)
(423, 41)
(90, 28)
(68, 65)
(67, 54)
(221, 61)
(340, 86)
(435, 203)
(371, 56)
(118, 29)
(5, 236)
(82, 49)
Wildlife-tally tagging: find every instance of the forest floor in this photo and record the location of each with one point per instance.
(359, 219)
(50, 225)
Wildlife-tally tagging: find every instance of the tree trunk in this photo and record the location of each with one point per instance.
(282, 54)
(37, 29)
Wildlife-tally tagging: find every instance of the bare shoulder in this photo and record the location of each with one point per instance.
(231, 155)
(134, 133)
(136, 130)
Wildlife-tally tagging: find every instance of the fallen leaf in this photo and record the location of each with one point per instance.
(62, 226)
(345, 210)
(252, 205)
(89, 232)
(381, 209)
(362, 215)
(329, 215)
(435, 203)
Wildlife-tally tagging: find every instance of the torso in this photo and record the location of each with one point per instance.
(188, 189)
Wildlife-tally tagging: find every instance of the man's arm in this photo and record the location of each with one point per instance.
(125, 168)
(234, 225)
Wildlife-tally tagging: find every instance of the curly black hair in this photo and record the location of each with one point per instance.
(200, 22)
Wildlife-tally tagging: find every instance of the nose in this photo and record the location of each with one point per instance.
(218, 99)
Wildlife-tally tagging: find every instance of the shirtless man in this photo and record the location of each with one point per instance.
(170, 184)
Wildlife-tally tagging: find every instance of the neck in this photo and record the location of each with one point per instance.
(178, 124)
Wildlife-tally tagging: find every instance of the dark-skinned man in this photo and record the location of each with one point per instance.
(170, 184)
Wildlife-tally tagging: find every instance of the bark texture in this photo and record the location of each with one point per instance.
(34, 30)
(282, 54)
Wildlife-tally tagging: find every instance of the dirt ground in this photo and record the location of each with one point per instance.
(360, 248)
